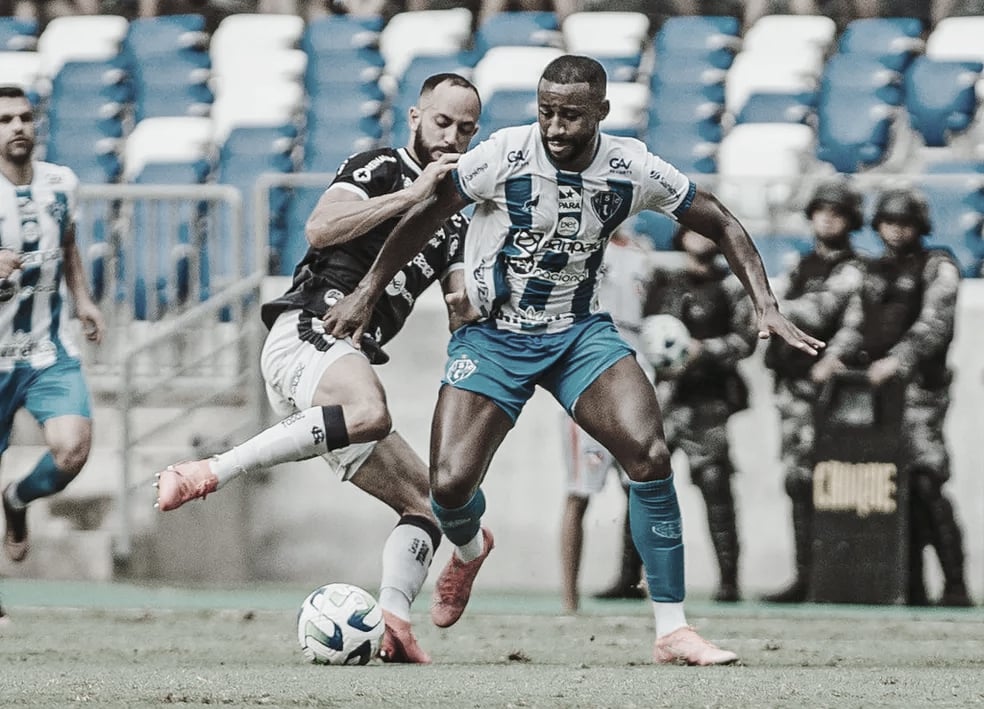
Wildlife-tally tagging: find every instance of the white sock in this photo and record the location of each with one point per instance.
(289, 440)
(669, 617)
(473, 549)
(407, 557)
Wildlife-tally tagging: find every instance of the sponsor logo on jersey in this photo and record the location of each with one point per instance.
(571, 246)
(461, 368)
(333, 296)
(397, 288)
(619, 164)
(568, 226)
(513, 157)
(558, 277)
(364, 174)
(476, 172)
(657, 176)
(568, 199)
(667, 530)
(606, 204)
(57, 209)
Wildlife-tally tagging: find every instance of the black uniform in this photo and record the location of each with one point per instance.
(327, 274)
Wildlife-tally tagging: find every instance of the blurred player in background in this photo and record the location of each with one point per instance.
(820, 286)
(41, 279)
(548, 197)
(334, 404)
(699, 397)
(904, 319)
(622, 283)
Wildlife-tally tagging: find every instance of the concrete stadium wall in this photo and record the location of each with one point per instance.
(308, 527)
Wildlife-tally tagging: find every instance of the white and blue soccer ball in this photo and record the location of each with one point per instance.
(340, 624)
(664, 341)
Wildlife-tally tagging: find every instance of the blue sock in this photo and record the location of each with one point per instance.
(657, 531)
(461, 524)
(45, 480)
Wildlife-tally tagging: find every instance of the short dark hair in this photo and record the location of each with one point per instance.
(11, 91)
(434, 80)
(576, 69)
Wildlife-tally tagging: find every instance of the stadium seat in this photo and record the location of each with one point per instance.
(778, 107)
(690, 73)
(754, 73)
(511, 68)
(853, 131)
(409, 34)
(165, 34)
(288, 254)
(862, 74)
(940, 97)
(18, 34)
(956, 207)
(957, 39)
(629, 101)
(658, 228)
(789, 32)
(780, 252)
(80, 37)
(528, 28)
(185, 139)
(616, 39)
(714, 38)
(893, 41)
(337, 33)
(761, 166)
(506, 107)
(23, 69)
(241, 33)
(282, 103)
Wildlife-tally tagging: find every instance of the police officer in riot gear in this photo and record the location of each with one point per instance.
(905, 320)
(820, 287)
(699, 397)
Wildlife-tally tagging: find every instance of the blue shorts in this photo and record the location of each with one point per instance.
(507, 366)
(58, 390)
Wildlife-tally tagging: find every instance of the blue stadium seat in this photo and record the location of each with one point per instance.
(656, 227)
(18, 34)
(956, 207)
(515, 28)
(853, 131)
(336, 33)
(713, 38)
(844, 73)
(164, 34)
(778, 107)
(287, 254)
(941, 98)
(780, 252)
(893, 41)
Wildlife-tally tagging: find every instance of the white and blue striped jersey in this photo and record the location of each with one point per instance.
(535, 245)
(33, 222)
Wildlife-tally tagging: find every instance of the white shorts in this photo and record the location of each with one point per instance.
(292, 369)
(588, 462)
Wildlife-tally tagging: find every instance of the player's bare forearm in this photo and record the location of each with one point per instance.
(341, 216)
(709, 217)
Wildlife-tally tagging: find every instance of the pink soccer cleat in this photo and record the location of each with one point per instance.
(454, 585)
(685, 647)
(399, 644)
(181, 482)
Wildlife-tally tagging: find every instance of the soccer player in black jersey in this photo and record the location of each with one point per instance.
(333, 402)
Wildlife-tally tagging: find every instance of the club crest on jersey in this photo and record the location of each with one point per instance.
(606, 205)
(461, 368)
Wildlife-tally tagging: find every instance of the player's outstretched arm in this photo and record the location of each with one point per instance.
(341, 216)
(350, 315)
(709, 217)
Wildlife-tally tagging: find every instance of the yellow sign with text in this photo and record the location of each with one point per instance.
(862, 488)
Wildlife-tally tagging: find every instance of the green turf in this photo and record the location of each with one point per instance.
(125, 645)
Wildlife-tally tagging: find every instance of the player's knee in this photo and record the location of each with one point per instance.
(369, 420)
(448, 488)
(70, 457)
(651, 463)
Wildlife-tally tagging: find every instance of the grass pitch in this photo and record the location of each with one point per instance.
(73, 644)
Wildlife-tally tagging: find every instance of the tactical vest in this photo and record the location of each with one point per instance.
(808, 276)
(892, 299)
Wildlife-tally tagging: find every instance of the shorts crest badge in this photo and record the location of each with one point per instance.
(461, 368)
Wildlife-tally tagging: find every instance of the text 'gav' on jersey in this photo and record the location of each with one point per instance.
(538, 234)
(326, 275)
